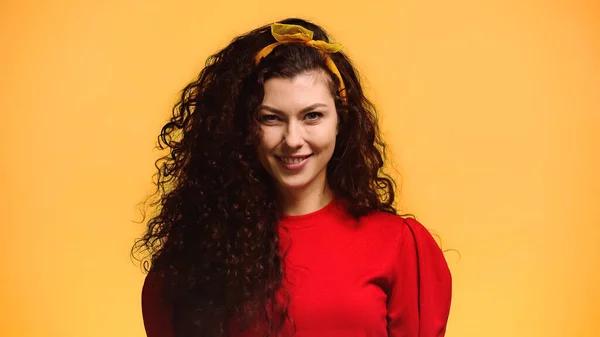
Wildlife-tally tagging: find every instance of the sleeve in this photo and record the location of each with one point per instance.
(157, 316)
(420, 296)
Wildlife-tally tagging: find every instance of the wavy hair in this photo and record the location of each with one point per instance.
(213, 239)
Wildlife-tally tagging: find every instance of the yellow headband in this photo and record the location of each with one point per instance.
(284, 33)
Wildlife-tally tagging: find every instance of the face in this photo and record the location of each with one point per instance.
(299, 126)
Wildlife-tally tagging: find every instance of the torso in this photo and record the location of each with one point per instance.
(338, 272)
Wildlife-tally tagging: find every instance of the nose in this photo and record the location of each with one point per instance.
(293, 136)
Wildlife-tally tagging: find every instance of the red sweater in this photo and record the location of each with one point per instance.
(379, 276)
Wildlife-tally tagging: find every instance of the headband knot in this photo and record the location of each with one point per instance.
(285, 33)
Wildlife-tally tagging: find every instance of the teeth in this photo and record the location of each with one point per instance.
(292, 160)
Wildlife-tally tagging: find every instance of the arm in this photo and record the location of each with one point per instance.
(419, 302)
(158, 317)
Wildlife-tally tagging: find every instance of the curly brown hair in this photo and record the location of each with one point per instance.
(213, 239)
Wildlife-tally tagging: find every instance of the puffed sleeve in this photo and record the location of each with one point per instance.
(419, 300)
(157, 316)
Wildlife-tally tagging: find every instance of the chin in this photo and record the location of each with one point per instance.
(292, 185)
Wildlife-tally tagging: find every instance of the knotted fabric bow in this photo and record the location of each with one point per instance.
(285, 33)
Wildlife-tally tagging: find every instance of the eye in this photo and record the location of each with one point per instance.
(313, 116)
(269, 118)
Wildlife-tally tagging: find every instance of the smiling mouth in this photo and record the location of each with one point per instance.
(293, 160)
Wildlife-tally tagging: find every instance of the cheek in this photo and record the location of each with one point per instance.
(323, 140)
(331, 145)
(268, 142)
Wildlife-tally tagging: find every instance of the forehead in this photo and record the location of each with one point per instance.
(299, 91)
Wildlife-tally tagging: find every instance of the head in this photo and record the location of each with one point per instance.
(242, 134)
(298, 130)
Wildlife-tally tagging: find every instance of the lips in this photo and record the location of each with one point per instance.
(293, 160)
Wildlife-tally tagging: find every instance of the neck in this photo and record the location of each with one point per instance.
(307, 200)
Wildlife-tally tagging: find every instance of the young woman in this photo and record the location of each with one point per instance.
(275, 218)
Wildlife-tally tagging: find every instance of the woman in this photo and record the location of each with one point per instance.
(275, 218)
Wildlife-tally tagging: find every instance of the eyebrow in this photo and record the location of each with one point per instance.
(277, 111)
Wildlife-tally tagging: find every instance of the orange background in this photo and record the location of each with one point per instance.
(491, 109)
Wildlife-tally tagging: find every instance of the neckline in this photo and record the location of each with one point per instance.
(315, 214)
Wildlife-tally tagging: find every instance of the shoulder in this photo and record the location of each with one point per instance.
(408, 237)
(157, 314)
(395, 226)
